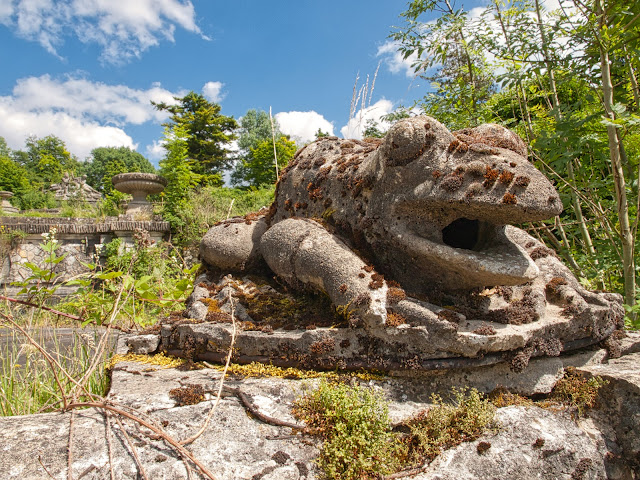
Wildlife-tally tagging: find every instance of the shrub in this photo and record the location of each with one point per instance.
(447, 425)
(578, 391)
(353, 422)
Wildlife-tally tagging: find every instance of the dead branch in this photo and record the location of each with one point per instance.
(250, 407)
(404, 473)
(70, 449)
(166, 437)
(41, 307)
(222, 378)
(133, 449)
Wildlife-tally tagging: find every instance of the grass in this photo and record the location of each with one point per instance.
(31, 387)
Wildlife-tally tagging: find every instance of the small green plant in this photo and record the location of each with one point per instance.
(578, 391)
(353, 421)
(43, 282)
(446, 425)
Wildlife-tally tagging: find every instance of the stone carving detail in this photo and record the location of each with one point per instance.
(75, 188)
(411, 239)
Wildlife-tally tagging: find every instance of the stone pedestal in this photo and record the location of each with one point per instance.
(5, 205)
(139, 185)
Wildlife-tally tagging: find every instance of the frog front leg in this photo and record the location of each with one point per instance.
(304, 254)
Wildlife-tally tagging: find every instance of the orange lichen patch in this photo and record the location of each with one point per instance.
(326, 345)
(509, 199)
(490, 176)
(187, 395)
(522, 181)
(485, 330)
(448, 315)
(395, 320)
(343, 288)
(541, 252)
(368, 268)
(483, 447)
(377, 280)
(554, 285)
(506, 177)
(218, 317)
(316, 194)
(395, 295)
(436, 174)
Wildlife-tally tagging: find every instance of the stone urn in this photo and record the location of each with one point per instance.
(139, 185)
(5, 205)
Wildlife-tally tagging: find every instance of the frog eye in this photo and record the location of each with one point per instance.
(408, 139)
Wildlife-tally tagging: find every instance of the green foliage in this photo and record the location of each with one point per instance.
(178, 169)
(13, 178)
(578, 391)
(463, 82)
(43, 282)
(205, 206)
(321, 134)
(258, 167)
(47, 159)
(255, 127)
(255, 164)
(104, 163)
(446, 425)
(353, 422)
(206, 132)
(372, 129)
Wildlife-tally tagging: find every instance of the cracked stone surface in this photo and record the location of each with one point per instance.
(237, 445)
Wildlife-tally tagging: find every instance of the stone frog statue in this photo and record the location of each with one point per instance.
(417, 227)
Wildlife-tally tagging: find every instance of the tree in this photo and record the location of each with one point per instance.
(463, 81)
(255, 163)
(206, 131)
(255, 127)
(178, 169)
(46, 159)
(321, 134)
(258, 167)
(105, 162)
(13, 177)
(372, 129)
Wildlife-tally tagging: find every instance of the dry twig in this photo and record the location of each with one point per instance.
(133, 449)
(222, 378)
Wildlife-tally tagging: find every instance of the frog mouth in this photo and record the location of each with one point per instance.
(471, 253)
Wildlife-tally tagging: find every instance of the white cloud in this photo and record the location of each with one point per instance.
(84, 114)
(356, 125)
(212, 91)
(394, 59)
(156, 150)
(6, 10)
(79, 97)
(123, 28)
(302, 126)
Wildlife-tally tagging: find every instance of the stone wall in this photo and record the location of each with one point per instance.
(80, 238)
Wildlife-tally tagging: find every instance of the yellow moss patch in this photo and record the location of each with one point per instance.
(159, 359)
(256, 369)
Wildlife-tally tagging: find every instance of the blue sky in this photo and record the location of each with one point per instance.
(85, 70)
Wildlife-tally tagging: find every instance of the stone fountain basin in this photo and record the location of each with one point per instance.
(135, 183)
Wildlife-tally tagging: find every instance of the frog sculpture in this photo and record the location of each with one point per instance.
(411, 238)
